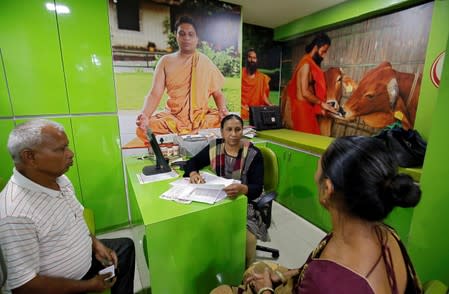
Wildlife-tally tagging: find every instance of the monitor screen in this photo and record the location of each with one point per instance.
(265, 117)
(161, 165)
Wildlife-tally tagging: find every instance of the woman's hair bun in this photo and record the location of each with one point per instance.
(405, 193)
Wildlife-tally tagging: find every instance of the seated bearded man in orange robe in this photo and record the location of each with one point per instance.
(255, 85)
(190, 78)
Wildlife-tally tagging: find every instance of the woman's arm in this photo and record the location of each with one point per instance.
(198, 162)
(255, 177)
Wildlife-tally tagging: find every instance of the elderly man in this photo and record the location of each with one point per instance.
(255, 85)
(190, 78)
(43, 235)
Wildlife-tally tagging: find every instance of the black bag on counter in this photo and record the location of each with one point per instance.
(408, 146)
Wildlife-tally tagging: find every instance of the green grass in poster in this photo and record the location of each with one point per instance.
(132, 88)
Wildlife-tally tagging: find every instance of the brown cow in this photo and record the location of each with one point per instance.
(335, 82)
(381, 93)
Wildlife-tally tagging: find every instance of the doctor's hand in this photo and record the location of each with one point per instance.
(233, 190)
(196, 178)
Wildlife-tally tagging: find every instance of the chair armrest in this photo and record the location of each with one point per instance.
(266, 198)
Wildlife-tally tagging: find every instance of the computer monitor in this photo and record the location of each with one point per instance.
(161, 165)
(265, 117)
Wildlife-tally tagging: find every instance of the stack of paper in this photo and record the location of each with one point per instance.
(143, 179)
(209, 192)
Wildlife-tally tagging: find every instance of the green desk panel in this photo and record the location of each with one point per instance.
(5, 103)
(86, 51)
(192, 248)
(72, 173)
(297, 189)
(315, 144)
(32, 59)
(97, 147)
(6, 162)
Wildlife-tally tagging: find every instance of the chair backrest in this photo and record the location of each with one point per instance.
(435, 287)
(90, 220)
(271, 169)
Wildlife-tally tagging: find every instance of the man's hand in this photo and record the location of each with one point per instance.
(142, 121)
(100, 283)
(328, 107)
(106, 256)
(223, 112)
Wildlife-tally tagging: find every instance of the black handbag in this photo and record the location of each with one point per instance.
(408, 146)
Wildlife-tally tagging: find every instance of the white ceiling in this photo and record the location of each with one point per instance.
(274, 13)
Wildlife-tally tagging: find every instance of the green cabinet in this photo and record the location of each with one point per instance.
(31, 55)
(97, 150)
(87, 57)
(297, 190)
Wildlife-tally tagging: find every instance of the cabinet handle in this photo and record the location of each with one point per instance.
(289, 156)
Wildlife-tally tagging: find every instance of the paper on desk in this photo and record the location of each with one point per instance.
(209, 192)
(143, 179)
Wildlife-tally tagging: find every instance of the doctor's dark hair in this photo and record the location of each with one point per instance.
(365, 179)
(320, 40)
(185, 19)
(228, 117)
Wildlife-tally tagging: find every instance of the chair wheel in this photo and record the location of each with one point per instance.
(275, 255)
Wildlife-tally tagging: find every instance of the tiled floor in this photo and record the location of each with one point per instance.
(292, 235)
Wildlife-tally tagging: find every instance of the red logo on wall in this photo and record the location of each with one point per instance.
(436, 69)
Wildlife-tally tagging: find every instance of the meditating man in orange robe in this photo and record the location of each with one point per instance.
(305, 94)
(255, 85)
(190, 78)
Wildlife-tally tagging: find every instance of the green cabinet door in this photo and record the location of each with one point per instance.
(5, 103)
(297, 189)
(31, 56)
(97, 150)
(87, 57)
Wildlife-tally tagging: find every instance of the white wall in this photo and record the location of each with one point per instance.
(151, 17)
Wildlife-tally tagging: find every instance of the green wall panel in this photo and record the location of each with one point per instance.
(72, 173)
(429, 238)
(6, 163)
(86, 52)
(5, 103)
(31, 56)
(437, 43)
(343, 13)
(100, 167)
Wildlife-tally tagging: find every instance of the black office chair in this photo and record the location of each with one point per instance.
(271, 178)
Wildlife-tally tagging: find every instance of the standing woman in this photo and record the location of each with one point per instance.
(231, 157)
